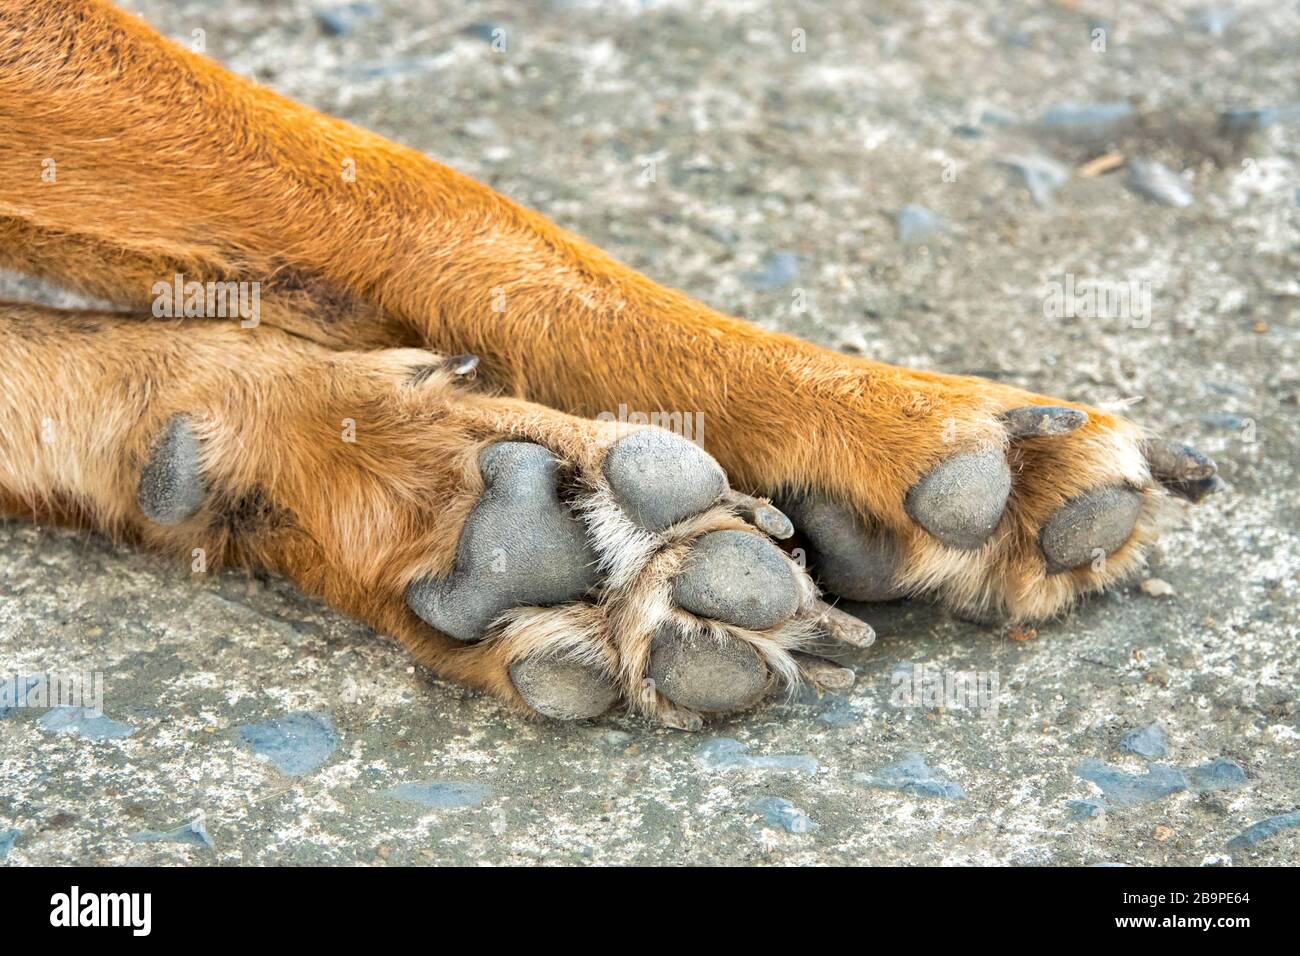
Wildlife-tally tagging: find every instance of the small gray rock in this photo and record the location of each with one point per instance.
(1148, 741)
(1158, 182)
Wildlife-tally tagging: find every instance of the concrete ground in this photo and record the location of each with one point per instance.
(886, 177)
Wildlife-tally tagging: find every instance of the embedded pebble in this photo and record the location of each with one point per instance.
(1042, 176)
(441, 794)
(340, 21)
(1158, 182)
(1124, 790)
(1264, 829)
(7, 838)
(778, 812)
(1085, 120)
(84, 723)
(1085, 809)
(706, 674)
(14, 690)
(1148, 741)
(724, 753)
(563, 688)
(171, 486)
(917, 224)
(189, 833)
(659, 477)
(520, 547)
(1156, 587)
(912, 776)
(297, 743)
(960, 500)
(1096, 521)
(1217, 774)
(779, 269)
(738, 577)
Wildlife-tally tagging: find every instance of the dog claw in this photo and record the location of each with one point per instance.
(1042, 421)
(763, 515)
(462, 366)
(822, 674)
(1173, 462)
(842, 626)
(1194, 491)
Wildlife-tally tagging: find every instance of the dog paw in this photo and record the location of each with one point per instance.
(630, 571)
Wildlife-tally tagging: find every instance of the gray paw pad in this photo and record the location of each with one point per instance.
(706, 674)
(960, 500)
(563, 688)
(740, 578)
(1098, 521)
(849, 560)
(171, 485)
(660, 478)
(520, 547)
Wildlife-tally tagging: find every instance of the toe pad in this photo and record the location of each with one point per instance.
(660, 478)
(740, 578)
(1097, 521)
(705, 674)
(849, 560)
(960, 500)
(563, 688)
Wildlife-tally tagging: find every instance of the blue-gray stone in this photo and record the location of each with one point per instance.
(1224, 420)
(7, 838)
(14, 690)
(724, 753)
(1085, 809)
(1043, 176)
(85, 723)
(297, 743)
(912, 776)
(441, 794)
(340, 21)
(1215, 20)
(1219, 774)
(780, 268)
(841, 713)
(1148, 741)
(917, 224)
(1130, 790)
(484, 30)
(1264, 829)
(1085, 119)
(1158, 182)
(1238, 122)
(778, 812)
(189, 833)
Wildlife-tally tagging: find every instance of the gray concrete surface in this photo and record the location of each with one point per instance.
(778, 180)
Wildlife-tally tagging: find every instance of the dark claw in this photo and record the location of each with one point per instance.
(1194, 491)
(1173, 462)
(462, 366)
(842, 626)
(822, 674)
(1041, 421)
(763, 515)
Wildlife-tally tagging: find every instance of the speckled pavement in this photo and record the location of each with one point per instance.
(901, 187)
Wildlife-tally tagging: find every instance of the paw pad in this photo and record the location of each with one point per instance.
(960, 500)
(171, 486)
(1096, 521)
(707, 674)
(563, 688)
(850, 561)
(520, 547)
(660, 478)
(740, 578)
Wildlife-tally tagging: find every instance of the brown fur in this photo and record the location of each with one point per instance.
(190, 169)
